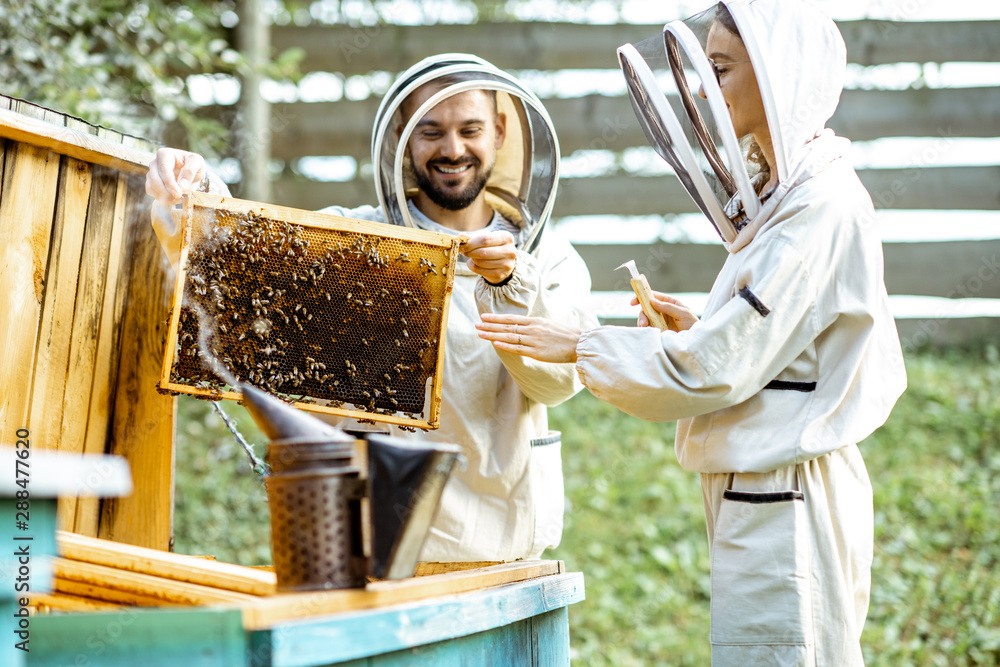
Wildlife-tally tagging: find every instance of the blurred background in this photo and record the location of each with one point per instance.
(281, 97)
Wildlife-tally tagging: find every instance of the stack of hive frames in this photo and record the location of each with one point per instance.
(340, 316)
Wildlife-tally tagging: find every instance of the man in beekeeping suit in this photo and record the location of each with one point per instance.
(461, 147)
(796, 356)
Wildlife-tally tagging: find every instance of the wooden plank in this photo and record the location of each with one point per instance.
(30, 182)
(429, 568)
(192, 569)
(105, 376)
(139, 143)
(31, 110)
(388, 634)
(546, 46)
(880, 42)
(673, 267)
(550, 638)
(73, 142)
(266, 612)
(960, 268)
(143, 427)
(942, 113)
(602, 122)
(952, 269)
(503, 645)
(85, 332)
(159, 588)
(131, 637)
(916, 334)
(915, 188)
(52, 358)
(964, 188)
(96, 591)
(46, 602)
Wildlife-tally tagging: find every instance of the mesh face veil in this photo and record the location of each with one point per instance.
(666, 76)
(522, 186)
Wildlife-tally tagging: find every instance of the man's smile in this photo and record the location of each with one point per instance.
(452, 171)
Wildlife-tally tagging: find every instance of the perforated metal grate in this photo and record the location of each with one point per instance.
(344, 316)
(315, 539)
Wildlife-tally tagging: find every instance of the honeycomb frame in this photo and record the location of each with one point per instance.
(365, 336)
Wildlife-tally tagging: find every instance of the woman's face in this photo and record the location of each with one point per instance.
(738, 82)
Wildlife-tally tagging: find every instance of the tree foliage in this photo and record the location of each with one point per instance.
(120, 64)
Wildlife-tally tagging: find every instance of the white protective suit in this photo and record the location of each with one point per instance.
(507, 503)
(795, 360)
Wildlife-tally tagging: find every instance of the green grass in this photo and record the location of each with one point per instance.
(635, 525)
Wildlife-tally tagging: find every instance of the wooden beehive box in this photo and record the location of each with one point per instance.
(84, 289)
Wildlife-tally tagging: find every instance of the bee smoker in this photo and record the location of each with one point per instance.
(344, 509)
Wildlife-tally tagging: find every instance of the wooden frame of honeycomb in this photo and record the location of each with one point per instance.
(335, 315)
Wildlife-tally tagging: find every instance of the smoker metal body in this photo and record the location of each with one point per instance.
(344, 509)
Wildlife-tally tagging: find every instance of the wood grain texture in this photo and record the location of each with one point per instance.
(105, 377)
(143, 428)
(72, 142)
(52, 356)
(46, 602)
(85, 332)
(98, 591)
(192, 569)
(428, 568)
(30, 182)
(266, 612)
(147, 585)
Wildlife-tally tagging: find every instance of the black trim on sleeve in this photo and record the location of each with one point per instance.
(752, 299)
(762, 498)
(788, 385)
(501, 283)
(550, 439)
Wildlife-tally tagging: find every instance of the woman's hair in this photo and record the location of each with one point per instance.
(760, 170)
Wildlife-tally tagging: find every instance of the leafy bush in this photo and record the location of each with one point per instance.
(126, 64)
(635, 525)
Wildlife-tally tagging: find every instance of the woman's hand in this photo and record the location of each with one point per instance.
(679, 317)
(533, 337)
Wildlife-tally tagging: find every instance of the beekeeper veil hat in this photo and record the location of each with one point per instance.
(522, 186)
(799, 59)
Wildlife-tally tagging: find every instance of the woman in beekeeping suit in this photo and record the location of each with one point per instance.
(796, 357)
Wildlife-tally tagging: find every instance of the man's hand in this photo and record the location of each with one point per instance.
(171, 172)
(491, 255)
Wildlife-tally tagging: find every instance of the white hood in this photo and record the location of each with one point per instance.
(799, 59)
(522, 186)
